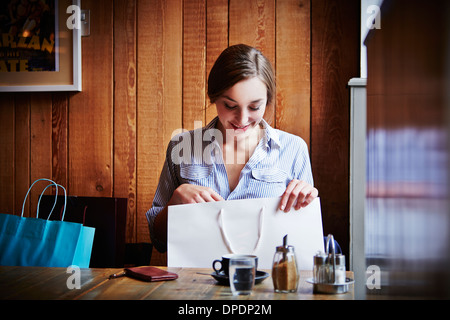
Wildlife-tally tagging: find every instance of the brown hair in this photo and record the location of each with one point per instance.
(236, 63)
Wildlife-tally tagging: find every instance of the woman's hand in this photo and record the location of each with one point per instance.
(184, 194)
(298, 194)
(190, 193)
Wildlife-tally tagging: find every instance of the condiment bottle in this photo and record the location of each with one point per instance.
(320, 271)
(285, 275)
(339, 275)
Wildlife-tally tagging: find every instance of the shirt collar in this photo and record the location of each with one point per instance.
(271, 133)
(212, 124)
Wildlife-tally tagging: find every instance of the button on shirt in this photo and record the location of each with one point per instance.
(195, 157)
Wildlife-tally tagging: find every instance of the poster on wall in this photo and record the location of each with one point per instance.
(39, 50)
(28, 36)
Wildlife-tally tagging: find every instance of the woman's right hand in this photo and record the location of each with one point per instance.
(184, 194)
(191, 193)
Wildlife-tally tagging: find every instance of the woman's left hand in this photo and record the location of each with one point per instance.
(298, 194)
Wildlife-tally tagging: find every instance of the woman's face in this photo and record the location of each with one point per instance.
(241, 108)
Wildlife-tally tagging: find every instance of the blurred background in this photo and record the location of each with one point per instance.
(407, 221)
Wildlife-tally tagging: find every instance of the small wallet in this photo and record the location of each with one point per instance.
(149, 274)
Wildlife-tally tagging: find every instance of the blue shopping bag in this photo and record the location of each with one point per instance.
(43, 242)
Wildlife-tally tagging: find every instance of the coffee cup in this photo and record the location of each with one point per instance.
(224, 263)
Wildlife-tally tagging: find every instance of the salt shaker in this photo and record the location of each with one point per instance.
(339, 277)
(285, 275)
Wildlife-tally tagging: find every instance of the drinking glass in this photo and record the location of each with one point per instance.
(242, 271)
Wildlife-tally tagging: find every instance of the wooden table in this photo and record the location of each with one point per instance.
(192, 284)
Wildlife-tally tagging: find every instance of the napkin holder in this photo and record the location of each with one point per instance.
(329, 271)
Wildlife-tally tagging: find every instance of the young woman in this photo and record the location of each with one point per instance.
(238, 154)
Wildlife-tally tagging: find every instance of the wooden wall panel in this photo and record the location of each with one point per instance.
(40, 145)
(90, 112)
(21, 152)
(59, 138)
(159, 99)
(149, 107)
(7, 153)
(125, 77)
(216, 41)
(334, 56)
(145, 70)
(253, 23)
(293, 111)
(194, 59)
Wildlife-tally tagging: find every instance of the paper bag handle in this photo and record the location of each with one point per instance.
(54, 204)
(56, 194)
(225, 237)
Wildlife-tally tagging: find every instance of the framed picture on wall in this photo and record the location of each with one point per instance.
(40, 45)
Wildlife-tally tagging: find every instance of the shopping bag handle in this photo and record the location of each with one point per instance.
(225, 237)
(54, 204)
(56, 194)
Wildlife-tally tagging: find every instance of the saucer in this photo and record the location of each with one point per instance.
(222, 278)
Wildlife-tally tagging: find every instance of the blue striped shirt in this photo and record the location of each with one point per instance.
(278, 158)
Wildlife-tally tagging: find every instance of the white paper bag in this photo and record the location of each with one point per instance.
(200, 233)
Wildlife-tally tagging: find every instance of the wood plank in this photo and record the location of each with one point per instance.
(7, 153)
(21, 152)
(149, 88)
(173, 71)
(40, 146)
(216, 42)
(90, 111)
(33, 278)
(205, 287)
(59, 139)
(253, 23)
(40, 283)
(194, 59)
(173, 87)
(125, 109)
(159, 65)
(192, 284)
(120, 289)
(293, 111)
(335, 60)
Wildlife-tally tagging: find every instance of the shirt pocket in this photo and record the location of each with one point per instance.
(267, 183)
(269, 175)
(194, 173)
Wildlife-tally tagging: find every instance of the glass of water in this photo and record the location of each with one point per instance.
(242, 271)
